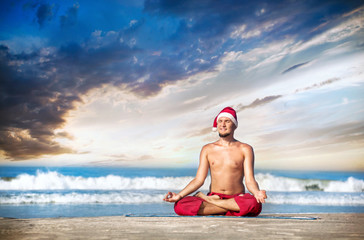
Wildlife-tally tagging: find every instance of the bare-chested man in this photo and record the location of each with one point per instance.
(229, 162)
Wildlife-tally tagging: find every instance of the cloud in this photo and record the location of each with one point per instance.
(41, 85)
(65, 135)
(33, 105)
(145, 158)
(318, 85)
(30, 108)
(70, 18)
(257, 31)
(295, 67)
(122, 159)
(258, 57)
(44, 13)
(257, 102)
(240, 107)
(335, 137)
(268, 99)
(242, 19)
(201, 132)
(18, 144)
(194, 100)
(348, 28)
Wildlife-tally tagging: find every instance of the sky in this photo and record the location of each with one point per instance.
(139, 83)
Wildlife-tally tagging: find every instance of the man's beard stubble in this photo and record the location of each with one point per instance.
(224, 135)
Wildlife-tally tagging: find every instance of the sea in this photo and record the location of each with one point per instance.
(47, 192)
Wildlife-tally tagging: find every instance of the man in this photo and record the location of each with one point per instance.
(229, 162)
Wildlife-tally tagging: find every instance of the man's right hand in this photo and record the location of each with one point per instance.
(172, 197)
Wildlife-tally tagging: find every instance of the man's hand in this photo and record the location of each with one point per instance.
(260, 196)
(172, 197)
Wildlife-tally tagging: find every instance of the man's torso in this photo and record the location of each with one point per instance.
(226, 167)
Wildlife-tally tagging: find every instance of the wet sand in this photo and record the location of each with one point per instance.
(283, 226)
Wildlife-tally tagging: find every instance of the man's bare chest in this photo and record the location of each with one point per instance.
(222, 159)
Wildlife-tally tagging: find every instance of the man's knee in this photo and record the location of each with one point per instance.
(188, 206)
(178, 208)
(248, 206)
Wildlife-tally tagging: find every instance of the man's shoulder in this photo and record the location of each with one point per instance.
(209, 145)
(244, 146)
(237, 143)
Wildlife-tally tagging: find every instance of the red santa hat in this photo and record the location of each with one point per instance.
(226, 112)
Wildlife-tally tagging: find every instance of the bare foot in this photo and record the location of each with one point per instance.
(200, 195)
(206, 198)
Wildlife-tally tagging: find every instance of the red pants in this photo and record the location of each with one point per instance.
(189, 206)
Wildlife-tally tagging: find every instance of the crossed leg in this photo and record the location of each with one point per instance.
(214, 205)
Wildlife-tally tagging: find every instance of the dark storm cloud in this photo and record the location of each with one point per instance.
(37, 91)
(18, 146)
(30, 109)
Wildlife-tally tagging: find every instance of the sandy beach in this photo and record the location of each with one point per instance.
(286, 226)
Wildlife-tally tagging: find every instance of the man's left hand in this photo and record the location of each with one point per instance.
(260, 196)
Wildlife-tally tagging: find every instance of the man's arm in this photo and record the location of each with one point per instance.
(250, 181)
(196, 183)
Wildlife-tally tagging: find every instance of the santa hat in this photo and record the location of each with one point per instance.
(226, 112)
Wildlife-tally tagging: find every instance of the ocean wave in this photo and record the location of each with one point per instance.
(276, 183)
(53, 180)
(297, 198)
(80, 198)
(317, 198)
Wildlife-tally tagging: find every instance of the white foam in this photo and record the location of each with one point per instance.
(81, 198)
(55, 181)
(296, 198)
(350, 185)
(275, 183)
(317, 198)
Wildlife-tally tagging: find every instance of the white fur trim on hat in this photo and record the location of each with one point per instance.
(228, 115)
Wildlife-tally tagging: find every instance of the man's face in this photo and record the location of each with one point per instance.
(225, 126)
